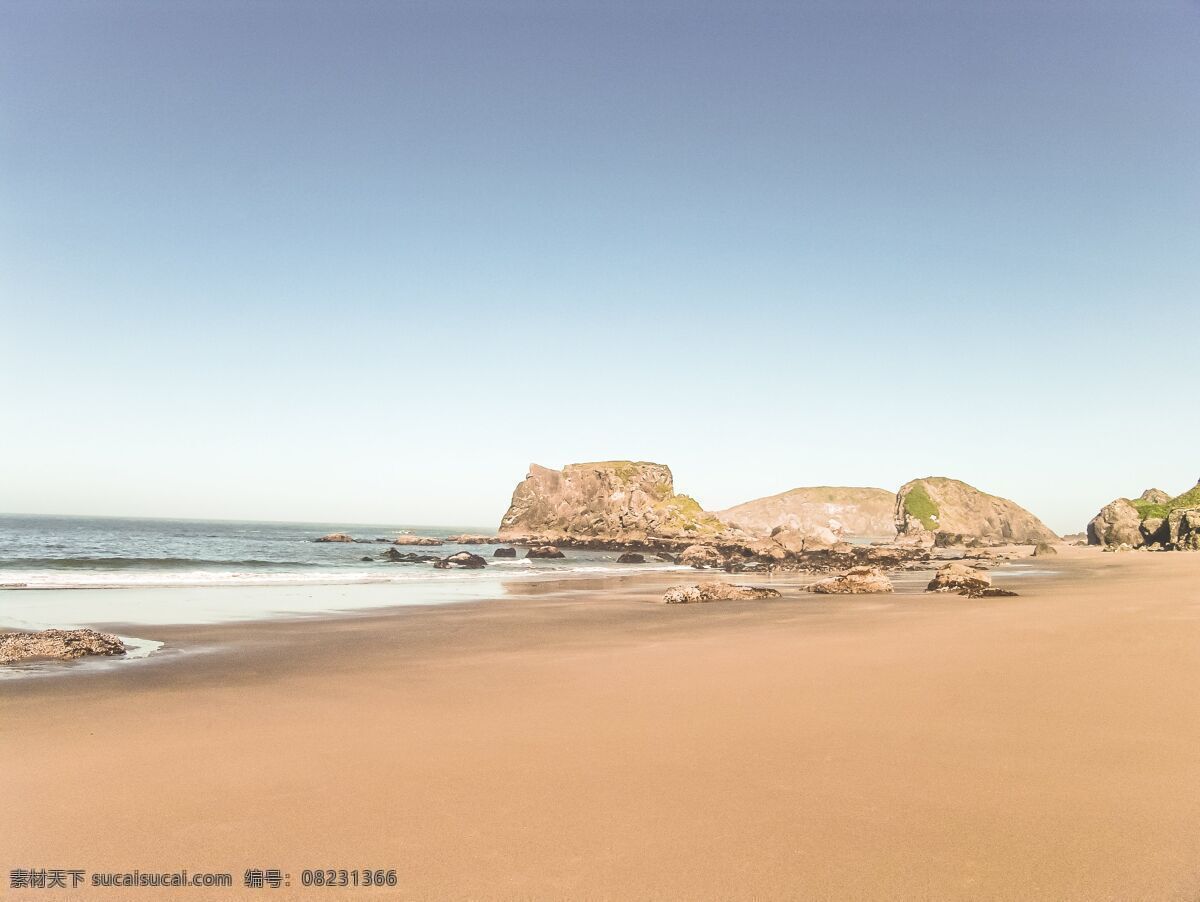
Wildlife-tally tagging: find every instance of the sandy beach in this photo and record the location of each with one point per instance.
(578, 740)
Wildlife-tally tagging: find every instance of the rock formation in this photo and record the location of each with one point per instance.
(605, 502)
(335, 537)
(63, 645)
(700, 557)
(837, 509)
(1117, 523)
(965, 580)
(631, 557)
(461, 559)
(406, 557)
(786, 544)
(1153, 520)
(416, 540)
(1183, 529)
(954, 512)
(504, 552)
(856, 581)
(544, 551)
(716, 591)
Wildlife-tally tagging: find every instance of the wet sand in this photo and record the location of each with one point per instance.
(593, 744)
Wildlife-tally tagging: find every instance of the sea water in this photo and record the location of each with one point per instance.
(89, 567)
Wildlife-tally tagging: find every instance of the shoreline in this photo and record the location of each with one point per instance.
(154, 637)
(586, 741)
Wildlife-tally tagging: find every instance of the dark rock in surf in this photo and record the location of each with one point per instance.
(463, 559)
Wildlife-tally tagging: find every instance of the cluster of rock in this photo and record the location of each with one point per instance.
(1154, 521)
(716, 591)
(65, 645)
(808, 558)
(341, 537)
(465, 559)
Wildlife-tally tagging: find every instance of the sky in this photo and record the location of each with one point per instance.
(366, 261)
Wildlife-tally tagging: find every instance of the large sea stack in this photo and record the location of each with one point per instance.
(609, 502)
(842, 510)
(950, 511)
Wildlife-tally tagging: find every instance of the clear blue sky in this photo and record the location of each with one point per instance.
(365, 261)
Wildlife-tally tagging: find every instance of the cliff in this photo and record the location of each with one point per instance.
(608, 501)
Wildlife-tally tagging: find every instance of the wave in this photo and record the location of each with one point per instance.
(143, 563)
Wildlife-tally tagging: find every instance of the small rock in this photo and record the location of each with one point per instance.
(631, 557)
(544, 551)
(335, 537)
(1044, 549)
(504, 552)
(716, 591)
(367, 558)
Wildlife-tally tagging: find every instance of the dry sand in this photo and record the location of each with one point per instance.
(595, 745)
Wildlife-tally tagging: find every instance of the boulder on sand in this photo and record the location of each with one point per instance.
(335, 537)
(64, 645)
(1044, 549)
(855, 581)
(965, 580)
(544, 551)
(1117, 523)
(716, 591)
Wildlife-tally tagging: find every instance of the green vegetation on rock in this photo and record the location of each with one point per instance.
(1148, 509)
(919, 505)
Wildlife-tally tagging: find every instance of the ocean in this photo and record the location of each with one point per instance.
(48, 552)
